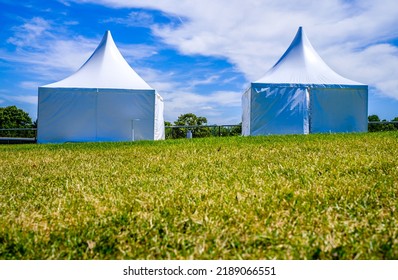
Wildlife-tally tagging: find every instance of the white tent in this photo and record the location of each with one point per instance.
(105, 100)
(300, 94)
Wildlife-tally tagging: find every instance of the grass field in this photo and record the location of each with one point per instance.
(277, 197)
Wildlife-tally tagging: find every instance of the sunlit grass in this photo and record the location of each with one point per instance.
(275, 197)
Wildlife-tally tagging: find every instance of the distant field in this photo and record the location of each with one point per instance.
(279, 197)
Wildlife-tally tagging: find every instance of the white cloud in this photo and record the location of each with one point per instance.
(29, 99)
(33, 85)
(181, 96)
(64, 2)
(213, 106)
(134, 19)
(45, 52)
(206, 81)
(51, 55)
(253, 34)
(136, 52)
(71, 22)
(375, 65)
(28, 33)
(52, 59)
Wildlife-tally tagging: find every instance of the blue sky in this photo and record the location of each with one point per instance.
(200, 55)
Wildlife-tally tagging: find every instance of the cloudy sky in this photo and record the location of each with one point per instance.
(200, 55)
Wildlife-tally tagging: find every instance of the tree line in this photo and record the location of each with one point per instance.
(13, 117)
(382, 125)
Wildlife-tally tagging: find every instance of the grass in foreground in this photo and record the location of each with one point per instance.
(282, 197)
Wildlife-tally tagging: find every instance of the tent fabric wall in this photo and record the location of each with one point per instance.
(246, 109)
(159, 119)
(341, 109)
(86, 115)
(75, 108)
(278, 109)
(121, 111)
(303, 109)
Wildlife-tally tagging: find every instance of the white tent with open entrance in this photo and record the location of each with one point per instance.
(300, 94)
(105, 100)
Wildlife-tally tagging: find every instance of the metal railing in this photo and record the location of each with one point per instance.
(200, 131)
(383, 122)
(18, 135)
(382, 126)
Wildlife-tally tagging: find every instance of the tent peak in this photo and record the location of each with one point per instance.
(105, 68)
(107, 34)
(301, 64)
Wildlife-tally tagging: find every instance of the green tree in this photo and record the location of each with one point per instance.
(168, 131)
(191, 119)
(373, 118)
(235, 130)
(13, 117)
(395, 124)
(373, 127)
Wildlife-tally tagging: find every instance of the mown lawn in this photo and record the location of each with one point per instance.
(276, 197)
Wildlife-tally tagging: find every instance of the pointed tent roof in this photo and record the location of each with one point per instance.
(106, 68)
(301, 64)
